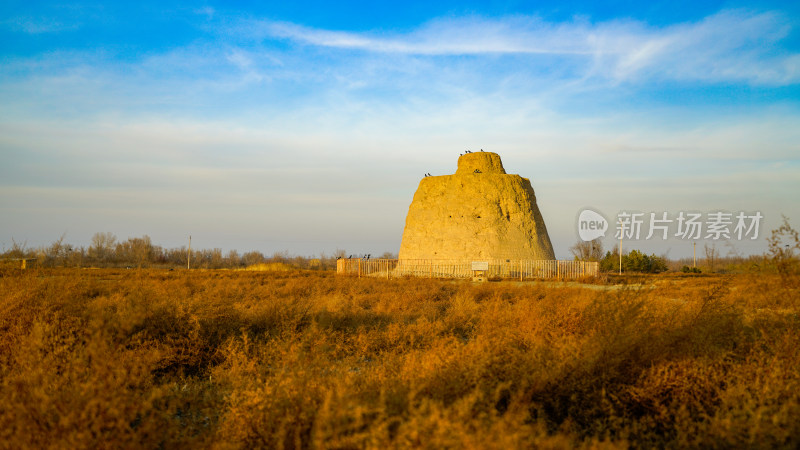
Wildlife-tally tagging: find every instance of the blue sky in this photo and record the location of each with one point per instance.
(306, 126)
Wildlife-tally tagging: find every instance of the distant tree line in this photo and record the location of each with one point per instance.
(782, 256)
(106, 250)
(633, 261)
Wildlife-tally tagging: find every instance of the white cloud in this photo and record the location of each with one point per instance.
(732, 45)
(444, 37)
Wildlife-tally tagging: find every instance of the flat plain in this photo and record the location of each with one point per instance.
(112, 358)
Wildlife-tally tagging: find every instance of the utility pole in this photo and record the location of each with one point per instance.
(694, 252)
(621, 232)
(189, 255)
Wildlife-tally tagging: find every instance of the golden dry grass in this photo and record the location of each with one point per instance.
(270, 267)
(165, 359)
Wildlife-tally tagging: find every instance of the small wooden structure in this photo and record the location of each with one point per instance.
(479, 270)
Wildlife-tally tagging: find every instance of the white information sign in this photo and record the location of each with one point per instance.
(480, 265)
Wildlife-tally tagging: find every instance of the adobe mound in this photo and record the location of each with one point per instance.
(478, 213)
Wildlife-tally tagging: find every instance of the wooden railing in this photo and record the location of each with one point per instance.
(439, 268)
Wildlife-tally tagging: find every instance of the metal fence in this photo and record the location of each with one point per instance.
(438, 268)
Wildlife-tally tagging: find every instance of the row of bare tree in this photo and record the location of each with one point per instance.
(781, 256)
(107, 251)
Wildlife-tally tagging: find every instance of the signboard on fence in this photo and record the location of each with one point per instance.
(480, 265)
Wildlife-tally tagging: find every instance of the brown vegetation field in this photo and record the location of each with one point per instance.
(225, 359)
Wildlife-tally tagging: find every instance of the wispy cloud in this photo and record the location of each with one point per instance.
(38, 25)
(445, 37)
(732, 45)
(206, 11)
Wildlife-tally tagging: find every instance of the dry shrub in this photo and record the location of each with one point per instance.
(238, 359)
(270, 267)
